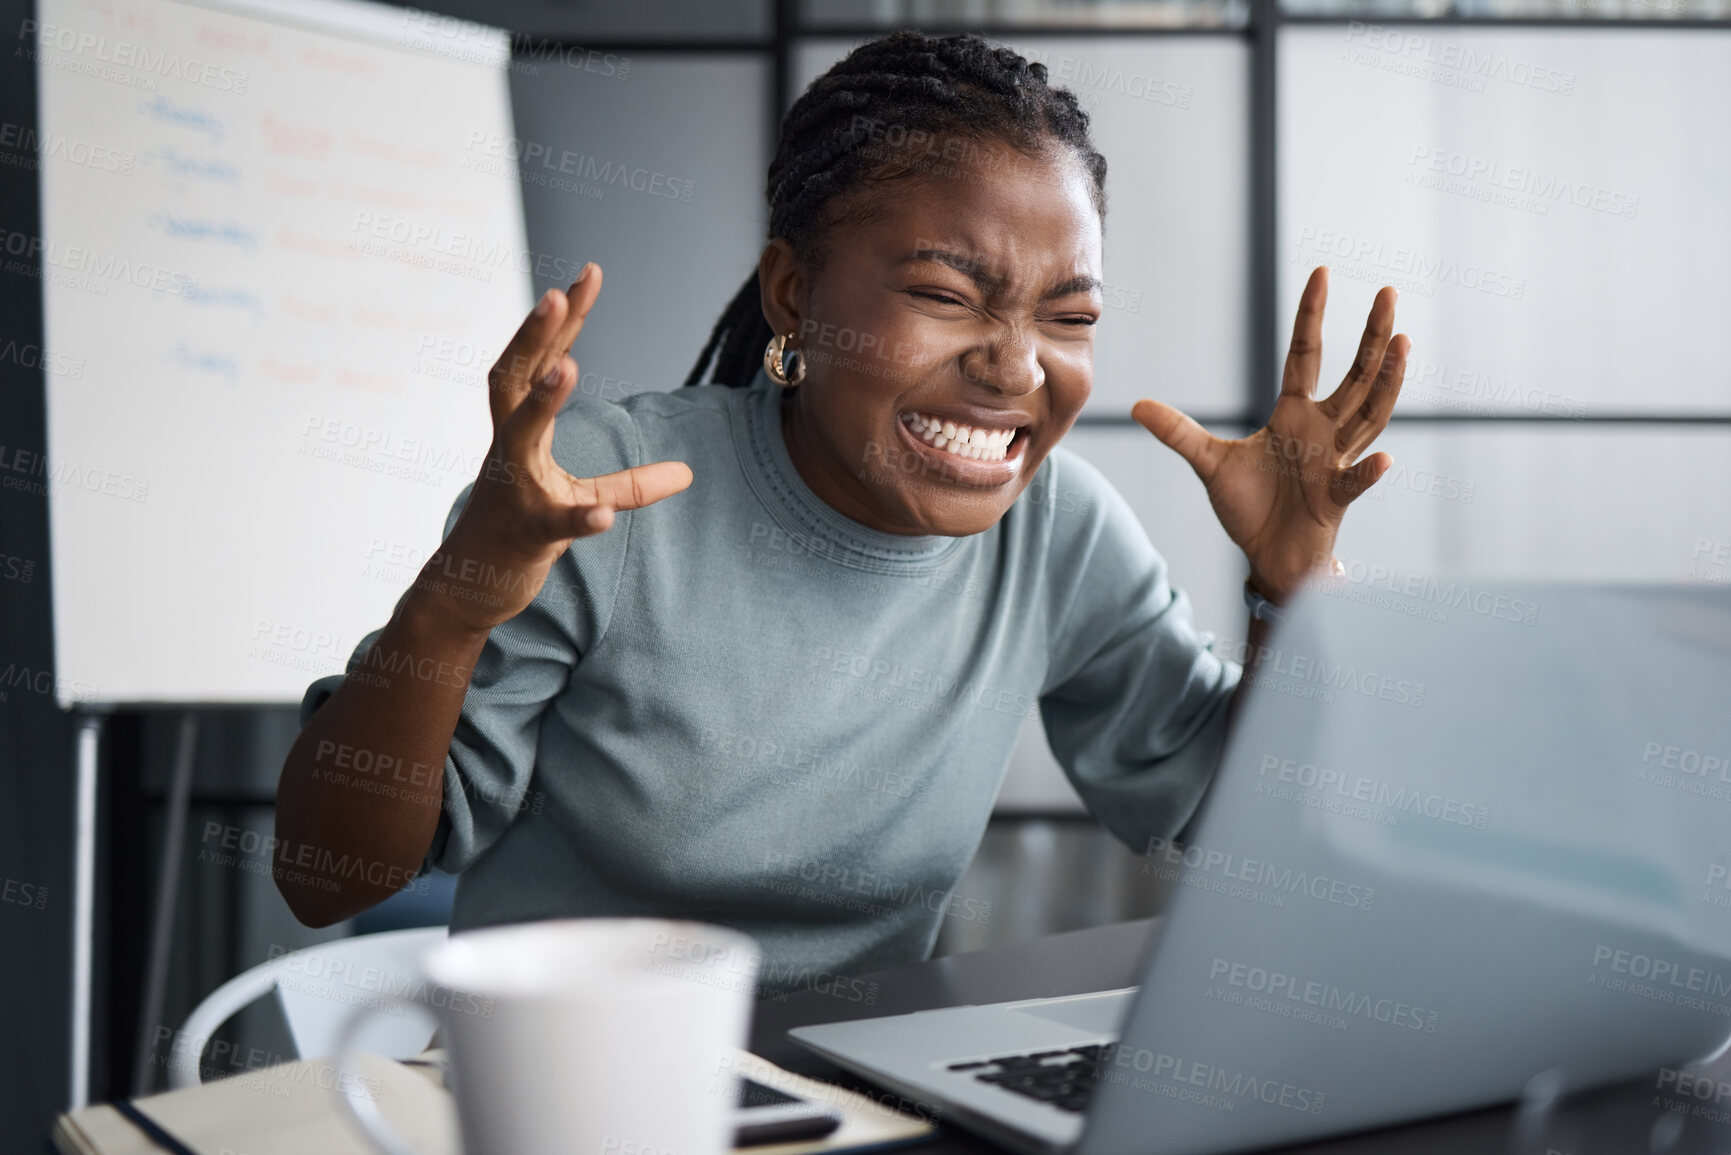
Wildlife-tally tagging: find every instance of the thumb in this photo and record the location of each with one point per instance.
(585, 521)
(1352, 481)
(1179, 432)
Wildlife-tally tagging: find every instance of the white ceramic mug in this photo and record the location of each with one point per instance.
(591, 1036)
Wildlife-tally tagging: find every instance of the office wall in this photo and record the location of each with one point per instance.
(638, 20)
(671, 262)
(1559, 245)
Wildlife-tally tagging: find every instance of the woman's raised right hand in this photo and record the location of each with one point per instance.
(525, 510)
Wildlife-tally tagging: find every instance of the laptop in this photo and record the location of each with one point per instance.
(1462, 837)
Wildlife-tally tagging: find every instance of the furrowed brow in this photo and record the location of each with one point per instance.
(1077, 284)
(968, 267)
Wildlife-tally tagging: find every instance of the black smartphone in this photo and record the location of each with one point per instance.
(765, 1115)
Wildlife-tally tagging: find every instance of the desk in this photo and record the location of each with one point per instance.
(1102, 958)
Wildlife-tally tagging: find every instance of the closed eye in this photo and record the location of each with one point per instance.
(942, 298)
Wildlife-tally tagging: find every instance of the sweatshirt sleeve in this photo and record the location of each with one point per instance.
(1135, 700)
(526, 661)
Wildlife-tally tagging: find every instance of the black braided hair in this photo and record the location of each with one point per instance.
(832, 142)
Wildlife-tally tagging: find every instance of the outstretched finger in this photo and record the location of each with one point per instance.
(510, 377)
(1378, 327)
(636, 487)
(1304, 355)
(1181, 434)
(579, 299)
(1348, 483)
(539, 343)
(579, 521)
(1371, 418)
(531, 423)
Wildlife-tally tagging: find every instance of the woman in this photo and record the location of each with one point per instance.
(785, 699)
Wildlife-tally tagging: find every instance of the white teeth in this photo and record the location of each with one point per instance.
(962, 440)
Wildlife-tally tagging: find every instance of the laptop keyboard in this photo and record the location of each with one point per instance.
(1065, 1079)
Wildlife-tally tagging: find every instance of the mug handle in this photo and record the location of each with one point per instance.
(356, 1106)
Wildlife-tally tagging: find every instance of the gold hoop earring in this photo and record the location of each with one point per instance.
(774, 365)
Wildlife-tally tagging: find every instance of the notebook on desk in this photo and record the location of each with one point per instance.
(291, 1109)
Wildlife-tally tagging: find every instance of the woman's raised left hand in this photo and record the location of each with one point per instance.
(1280, 493)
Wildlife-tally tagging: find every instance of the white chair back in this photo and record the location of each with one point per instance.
(318, 988)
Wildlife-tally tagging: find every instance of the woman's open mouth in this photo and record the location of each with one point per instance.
(969, 453)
